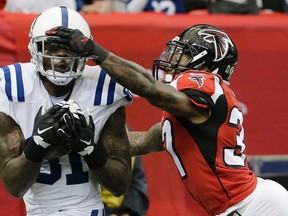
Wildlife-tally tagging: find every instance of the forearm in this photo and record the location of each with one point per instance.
(19, 174)
(127, 73)
(111, 168)
(142, 143)
(136, 199)
(115, 175)
(139, 81)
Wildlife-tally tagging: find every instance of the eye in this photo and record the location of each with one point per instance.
(53, 47)
(178, 51)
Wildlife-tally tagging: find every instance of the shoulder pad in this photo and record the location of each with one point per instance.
(16, 81)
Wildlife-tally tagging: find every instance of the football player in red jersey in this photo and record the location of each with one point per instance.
(202, 120)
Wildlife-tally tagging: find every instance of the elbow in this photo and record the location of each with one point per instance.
(119, 192)
(14, 189)
(18, 194)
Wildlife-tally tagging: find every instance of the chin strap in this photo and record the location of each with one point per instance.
(59, 79)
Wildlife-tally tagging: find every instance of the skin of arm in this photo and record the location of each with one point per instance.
(129, 74)
(116, 174)
(139, 81)
(142, 143)
(18, 174)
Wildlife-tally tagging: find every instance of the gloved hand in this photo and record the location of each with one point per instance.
(79, 130)
(72, 40)
(45, 131)
(75, 41)
(79, 134)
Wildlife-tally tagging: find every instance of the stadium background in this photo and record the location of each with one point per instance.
(260, 83)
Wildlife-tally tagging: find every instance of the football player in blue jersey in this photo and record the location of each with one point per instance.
(59, 119)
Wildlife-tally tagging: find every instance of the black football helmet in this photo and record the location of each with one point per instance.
(199, 47)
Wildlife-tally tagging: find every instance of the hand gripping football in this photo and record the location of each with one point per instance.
(56, 151)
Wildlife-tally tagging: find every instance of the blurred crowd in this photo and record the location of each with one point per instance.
(168, 7)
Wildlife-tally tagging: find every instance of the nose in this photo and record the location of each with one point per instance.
(169, 70)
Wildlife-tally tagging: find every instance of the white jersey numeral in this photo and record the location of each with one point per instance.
(234, 157)
(168, 135)
(77, 176)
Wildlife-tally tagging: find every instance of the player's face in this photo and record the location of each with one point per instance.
(182, 59)
(175, 57)
(54, 60)
(173, 60)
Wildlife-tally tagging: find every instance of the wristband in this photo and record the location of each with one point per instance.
(100, 53)
(33, 152)
(97, 158)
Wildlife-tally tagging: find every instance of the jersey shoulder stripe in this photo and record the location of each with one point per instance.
(100, 89)
(14, 85)
(108, 91)
(96, 88)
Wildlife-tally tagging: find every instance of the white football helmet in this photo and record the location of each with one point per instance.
(53, 17)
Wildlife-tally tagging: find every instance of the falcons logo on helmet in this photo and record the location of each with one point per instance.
(220, 40)
(199, 79)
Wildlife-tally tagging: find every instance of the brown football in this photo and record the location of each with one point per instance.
(56, 151)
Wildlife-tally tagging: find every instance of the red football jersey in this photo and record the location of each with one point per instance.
(210, 156)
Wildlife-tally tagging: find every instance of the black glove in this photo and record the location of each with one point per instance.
(75, 41)
(45, 131)
(79, 134)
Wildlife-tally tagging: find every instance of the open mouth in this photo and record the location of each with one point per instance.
(62, 67)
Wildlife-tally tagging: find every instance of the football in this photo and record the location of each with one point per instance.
(56, 151)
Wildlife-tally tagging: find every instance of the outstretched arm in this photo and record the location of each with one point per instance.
(141, 82)
(146, 142)
(127, 73)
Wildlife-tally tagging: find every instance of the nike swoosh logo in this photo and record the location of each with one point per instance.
(44, 130)
(86, 142)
